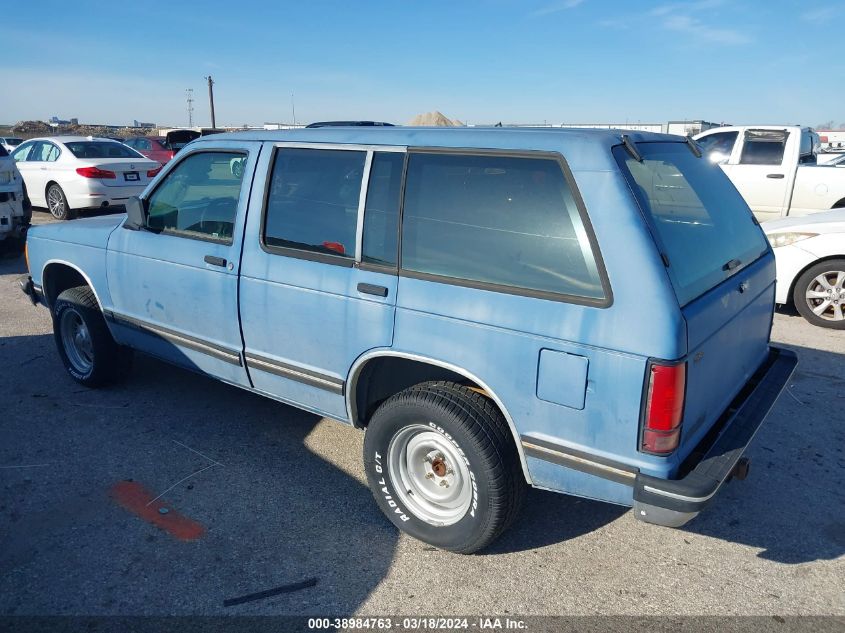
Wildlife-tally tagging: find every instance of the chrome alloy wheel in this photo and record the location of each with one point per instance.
(76, 339)
(825, 295)
(56, 202)
(431, 476)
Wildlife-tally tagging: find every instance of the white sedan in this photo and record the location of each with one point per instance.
(810, 254)
(69, 173)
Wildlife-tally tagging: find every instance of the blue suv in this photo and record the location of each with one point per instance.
(582, 311)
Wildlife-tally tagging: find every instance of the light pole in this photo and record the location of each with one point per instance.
(211, 100)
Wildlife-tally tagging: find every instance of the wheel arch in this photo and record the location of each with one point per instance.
(838, 204)
(58, 275)
(356, 392)
(791, 294)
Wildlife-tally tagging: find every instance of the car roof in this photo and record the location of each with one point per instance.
(571, 142)
(72, 139)
(739, 128)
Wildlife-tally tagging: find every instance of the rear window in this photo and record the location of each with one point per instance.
(505, 222)
(101, 149)
(14, 141)
(763, 147)
(701, 223)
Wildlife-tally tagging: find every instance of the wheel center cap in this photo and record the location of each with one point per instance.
(438, 466)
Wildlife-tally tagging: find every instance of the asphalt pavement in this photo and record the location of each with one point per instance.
(260, 496)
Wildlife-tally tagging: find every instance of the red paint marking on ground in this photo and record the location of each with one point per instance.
(135, 498)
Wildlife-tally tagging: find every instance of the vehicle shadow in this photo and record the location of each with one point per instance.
(792, 506)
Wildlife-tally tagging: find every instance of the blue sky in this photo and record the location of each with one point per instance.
(738, 61)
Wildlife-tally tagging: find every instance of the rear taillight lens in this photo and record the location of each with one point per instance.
(153, 172)
(664, 408)
(95, 172)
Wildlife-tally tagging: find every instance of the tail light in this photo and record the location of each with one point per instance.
(664, 408)
(95, 172)
(153, 172)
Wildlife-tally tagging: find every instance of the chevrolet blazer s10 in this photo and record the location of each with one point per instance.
(581, 311)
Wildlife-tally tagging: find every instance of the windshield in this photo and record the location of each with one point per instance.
(101, 149)
(14, 141)
(699, 220)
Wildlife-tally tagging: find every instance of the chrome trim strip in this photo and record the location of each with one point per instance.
(675, 495)
(358, 365)
(314, 379)
(362, 202)
(345, 146)
(582, 464)
(198, 345)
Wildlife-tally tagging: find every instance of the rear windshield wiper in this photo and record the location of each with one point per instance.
(694, 147)
(632, 149)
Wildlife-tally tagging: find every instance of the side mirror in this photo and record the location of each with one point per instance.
(136, 214)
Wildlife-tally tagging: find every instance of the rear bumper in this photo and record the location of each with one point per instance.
(673, 502)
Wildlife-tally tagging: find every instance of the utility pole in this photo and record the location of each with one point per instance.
(211, 100)
(189, 95)
(293, 108)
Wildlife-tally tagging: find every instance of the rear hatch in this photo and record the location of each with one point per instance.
(177, 139)
(112, 163)
(720, 266)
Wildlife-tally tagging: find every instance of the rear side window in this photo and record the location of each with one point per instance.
(509, 222)
(700, 221)
(199, 198)
(312, 204)
(381, 214)
(763, 147)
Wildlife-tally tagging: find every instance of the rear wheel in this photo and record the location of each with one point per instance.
(819, 294)
(57, 203)
(89, 353)
(442, 465)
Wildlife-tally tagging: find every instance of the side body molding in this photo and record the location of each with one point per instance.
(355, 371)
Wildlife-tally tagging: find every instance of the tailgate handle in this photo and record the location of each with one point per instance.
(371, 289)
(774, 175)
(215, 261)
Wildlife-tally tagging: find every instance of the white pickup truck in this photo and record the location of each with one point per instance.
(774, 168)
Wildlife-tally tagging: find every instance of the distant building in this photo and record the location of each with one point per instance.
(137, 123)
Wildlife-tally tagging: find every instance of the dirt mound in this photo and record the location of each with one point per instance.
(434, 119)
(30, 129)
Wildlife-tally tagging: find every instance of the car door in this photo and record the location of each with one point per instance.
(174, 284)
(318, 280)
(30, 172)
(759, 171)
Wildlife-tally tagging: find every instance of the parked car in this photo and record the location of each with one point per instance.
(69, 173)
(810, 254)
(774, 168)
(9, 143)
(153, 147)
(15, 210)
(572, 309)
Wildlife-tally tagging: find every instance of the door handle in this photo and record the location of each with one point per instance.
(371, 289)
(215, 261)
(774, 176)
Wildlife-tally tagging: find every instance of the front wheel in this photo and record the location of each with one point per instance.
(442, 465)
(819, 294)
(89, 353)
(57, 203)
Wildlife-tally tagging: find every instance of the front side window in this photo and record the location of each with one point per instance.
(718, 146)
(198, 198)
(763, 147)
(22, 152)
(511, 222)
(312, 203)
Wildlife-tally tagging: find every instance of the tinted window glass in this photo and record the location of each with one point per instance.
(3, 151)
(22, 152)
(45, 152)
(381, 216)
(700, 221)
(199, 197)
(718, 146)
(101, 149)
(763, 147)
(313, 200)
(501, 220)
